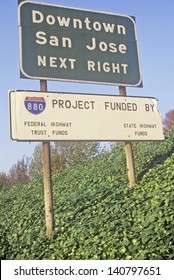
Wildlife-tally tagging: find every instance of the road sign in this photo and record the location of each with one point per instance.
(35, 105)
(61, 43)
(40, 116)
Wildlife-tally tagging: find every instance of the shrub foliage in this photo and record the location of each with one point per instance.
(97, 216)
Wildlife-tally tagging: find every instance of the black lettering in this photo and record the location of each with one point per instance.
(75, 106)
(121, 106)
(61, 104)
(134, 106)
(59, 132)
(92, 103)
(80, 104)
(68, 104)
(86, 105)
(141, 133)
(16, 271)
(54, 102)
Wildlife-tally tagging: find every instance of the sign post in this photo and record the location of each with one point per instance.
(129, 152)
(130, 164)
(46, 161)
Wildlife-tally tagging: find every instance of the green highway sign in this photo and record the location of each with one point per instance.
(61, 43)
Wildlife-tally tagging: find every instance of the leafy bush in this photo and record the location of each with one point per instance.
(97, 216)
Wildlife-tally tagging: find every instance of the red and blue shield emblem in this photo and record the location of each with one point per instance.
(35, 105)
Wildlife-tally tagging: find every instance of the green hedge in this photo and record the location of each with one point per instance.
(97, 216)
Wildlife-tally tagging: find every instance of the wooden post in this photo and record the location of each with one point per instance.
(46, 160)
(130, 163)
(129, 151)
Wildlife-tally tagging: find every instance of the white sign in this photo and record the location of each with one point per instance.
(39, 116)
